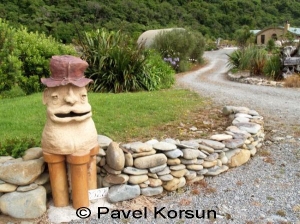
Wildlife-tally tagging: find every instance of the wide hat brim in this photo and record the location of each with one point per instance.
(50, 82)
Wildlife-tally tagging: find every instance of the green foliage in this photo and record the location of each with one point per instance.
(15, 91)
(234, 59)
(25, 56)
(116, 63)
(243, 36)
(251, 58)
(271, 45)
(159, 70)
(273, 67)
(212, 18)
(10, 66)
(16, 147)
(179, 44)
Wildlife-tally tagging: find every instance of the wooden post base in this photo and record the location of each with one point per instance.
(92, 169)
(79, 178)
(58, 178)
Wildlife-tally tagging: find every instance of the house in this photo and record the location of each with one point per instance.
(275, 33)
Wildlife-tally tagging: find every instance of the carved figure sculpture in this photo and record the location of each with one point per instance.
(69, 134)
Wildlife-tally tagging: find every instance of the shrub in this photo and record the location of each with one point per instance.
(10, 66)
(161, 71)
(234, 59)
(117, 64)
(272, 67)
(292, 81)
(180, 43)
(251, 58)
(24, 55)
(16, 147)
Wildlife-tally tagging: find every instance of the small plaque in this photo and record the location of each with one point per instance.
(98, 193)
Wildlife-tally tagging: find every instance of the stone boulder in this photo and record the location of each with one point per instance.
(24, 205)
(21, 172)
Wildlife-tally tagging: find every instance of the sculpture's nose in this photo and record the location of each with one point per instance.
(71, 98)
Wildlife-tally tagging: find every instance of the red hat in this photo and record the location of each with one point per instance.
(66, 69)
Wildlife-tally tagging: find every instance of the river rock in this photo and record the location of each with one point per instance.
(216, 170)
(101, 152)
(208, 164)
(252, 128)
(166, 177)
(240, 120)
(173, 153)
(157, 169)
(172, 185)
(165, 171)
(42, 179)
(152, 142)
(190, 175)
(237, 157)
(188, 161)
(33, 153)
(3, 159)
(220, 137)
(115, 158)
(151, 191)
(137, 179)
(234, 143)
(150, 161)
(189, 144)
(154, 182)
(135, 171)
(182, 182)
(104, 141)
(213, 144)
(164, 146)
(190, 153)
(123, 192)
(140, 154)
(22, 172)
(177, 167)
(24, 205)
(172, 162)
(212, 157)
(116, 179)
(196, 179)
(128, 159)
(179, 173)
(6, 187)
(140, 147)
(28, 187)
(111, 170)
(194, 167)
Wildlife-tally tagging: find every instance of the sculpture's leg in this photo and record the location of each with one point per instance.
(92, 169)
(58, 178)
(79, 178)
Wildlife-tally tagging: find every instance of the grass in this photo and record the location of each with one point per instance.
(122, 117)
(292, 81)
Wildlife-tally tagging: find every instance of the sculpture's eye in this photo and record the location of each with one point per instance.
(54, 97)
(83, 96)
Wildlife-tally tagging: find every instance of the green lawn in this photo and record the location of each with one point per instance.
(121, 116)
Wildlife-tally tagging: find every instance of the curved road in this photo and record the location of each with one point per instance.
(280, 106)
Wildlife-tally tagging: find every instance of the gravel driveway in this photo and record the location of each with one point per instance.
(264, 190)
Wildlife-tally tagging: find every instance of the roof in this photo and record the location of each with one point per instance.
(294, 30)
(254, 31)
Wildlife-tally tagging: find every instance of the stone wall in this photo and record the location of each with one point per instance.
(137, 168)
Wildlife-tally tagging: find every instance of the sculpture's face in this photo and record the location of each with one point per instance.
(67, 103)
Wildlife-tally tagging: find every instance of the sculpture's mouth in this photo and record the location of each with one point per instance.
(71, 114)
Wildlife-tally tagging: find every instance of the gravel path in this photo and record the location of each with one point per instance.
(264, 190)
(281, 105)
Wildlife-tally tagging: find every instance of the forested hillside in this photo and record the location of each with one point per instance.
(213, 18)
